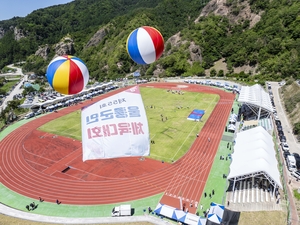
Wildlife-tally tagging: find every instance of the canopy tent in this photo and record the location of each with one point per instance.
(256, 96)
(254, 154)
(216, 209)
(215, 213)
(233, 116)
(98, 87)
(232, 120)
(214, 218)
(231, 127)
(193, 219)
(179, 215)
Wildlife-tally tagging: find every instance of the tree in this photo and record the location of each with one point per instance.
(296, 128)
(213, 72)
(221, 73)
(197, 69)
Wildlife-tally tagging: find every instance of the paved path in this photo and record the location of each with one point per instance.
(287, 127)
(60, 220)
(293, 145)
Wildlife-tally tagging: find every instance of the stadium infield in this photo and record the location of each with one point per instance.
(144, 201)
(167, 112)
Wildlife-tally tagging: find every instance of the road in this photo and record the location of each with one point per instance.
(294, 147)
(286, 126)
(18, 88)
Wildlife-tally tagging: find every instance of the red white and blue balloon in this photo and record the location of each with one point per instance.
(67, 74)
(145, 45)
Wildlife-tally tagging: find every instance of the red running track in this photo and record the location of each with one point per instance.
(26, 167)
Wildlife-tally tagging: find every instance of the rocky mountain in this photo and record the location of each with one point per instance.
(237, 12)
(240, 33)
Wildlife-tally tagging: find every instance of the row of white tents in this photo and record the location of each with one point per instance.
(214, 215)
(68, 99)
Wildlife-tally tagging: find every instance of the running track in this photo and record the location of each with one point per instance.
(186, 177)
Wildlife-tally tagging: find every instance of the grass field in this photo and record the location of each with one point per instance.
(167, 118)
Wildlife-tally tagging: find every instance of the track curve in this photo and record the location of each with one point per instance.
(192, 169)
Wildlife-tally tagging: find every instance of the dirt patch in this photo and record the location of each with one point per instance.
(263, 218)
(222, 65)
(7, 220)
(288, 94)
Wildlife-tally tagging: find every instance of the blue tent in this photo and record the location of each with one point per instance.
(193, 219)
(164, 210)
(179, 215)
(158, 208)
(215, 213)
(214, 218)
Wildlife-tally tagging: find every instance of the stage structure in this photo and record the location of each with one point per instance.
(257, 99)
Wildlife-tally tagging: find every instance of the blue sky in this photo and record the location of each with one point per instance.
(21, 8)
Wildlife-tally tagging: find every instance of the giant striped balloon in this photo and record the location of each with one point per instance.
(145, 45)
(67, 74)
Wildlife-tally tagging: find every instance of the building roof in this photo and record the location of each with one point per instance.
(256, 95)
(254, 153)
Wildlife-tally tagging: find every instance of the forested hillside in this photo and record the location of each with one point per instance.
(272, 45)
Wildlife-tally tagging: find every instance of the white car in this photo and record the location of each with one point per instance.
(292, 168)
(29, 115)
(285, 146)
(296, 174)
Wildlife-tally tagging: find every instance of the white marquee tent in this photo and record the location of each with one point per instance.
(254, 154)
(215, 213)
(256, 97)
(179, 215)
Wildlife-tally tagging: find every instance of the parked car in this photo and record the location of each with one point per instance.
(280, 133)
(278, 123)
(291, 163)
(39, 112)
(285, 146)
(296, 155)
(286, 154)
(29, 115)
(296, 174)
(282, 139)
(279, 128)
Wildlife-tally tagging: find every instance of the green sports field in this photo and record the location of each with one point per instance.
(167, 114)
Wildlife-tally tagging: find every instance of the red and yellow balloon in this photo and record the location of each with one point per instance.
(67, 74)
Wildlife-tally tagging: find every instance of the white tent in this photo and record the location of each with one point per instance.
(231, 127)
(214, 218)
(254, 153)
(257, 96)
(233, 116)
(164, 210)
(215, 213)
(179, 215)
(232, 120)
(193, 219)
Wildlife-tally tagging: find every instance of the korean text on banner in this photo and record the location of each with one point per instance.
(116, 126)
